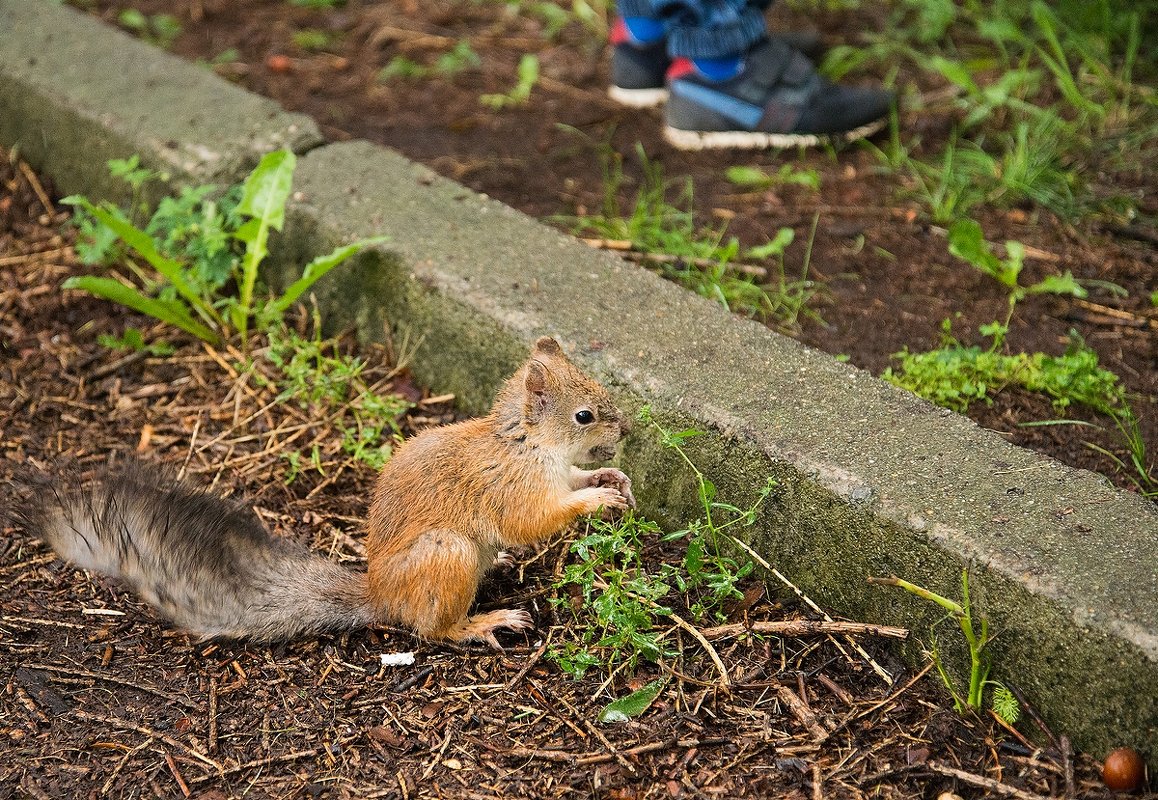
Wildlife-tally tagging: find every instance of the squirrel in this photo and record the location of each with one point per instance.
(444, 507)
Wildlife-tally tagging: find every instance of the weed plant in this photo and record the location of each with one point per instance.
(955, 375)
(624, 604)
(749, 177)
(1040, 92)
(195, 248)
(133, 340)
(313, 39)
(661, 222)
(204, 249)
(1004, 704)
(528, 76)
(591, 15)
(458, 59)
(967, 242)
(318, 377)
(160, 30)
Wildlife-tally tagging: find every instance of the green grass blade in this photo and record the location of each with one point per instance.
(169, 312)
(1058, 64)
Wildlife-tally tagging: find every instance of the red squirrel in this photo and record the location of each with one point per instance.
(444, 507)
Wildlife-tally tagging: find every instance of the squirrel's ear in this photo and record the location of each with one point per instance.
(535, 381)
(547, 346)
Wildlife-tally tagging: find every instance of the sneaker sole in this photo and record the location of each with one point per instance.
(638, 98)
(755, 140)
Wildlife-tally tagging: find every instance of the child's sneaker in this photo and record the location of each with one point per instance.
(775, 99)
(639, 60)
(639, 63)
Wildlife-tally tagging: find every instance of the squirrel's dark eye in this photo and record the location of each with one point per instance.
(584, 417)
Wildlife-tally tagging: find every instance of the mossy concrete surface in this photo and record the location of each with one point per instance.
(75, 93)
(872, 480)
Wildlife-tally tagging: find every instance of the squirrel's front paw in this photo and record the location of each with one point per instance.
(614, 478)
(605, 497)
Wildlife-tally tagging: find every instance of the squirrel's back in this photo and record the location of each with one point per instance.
(207, 563)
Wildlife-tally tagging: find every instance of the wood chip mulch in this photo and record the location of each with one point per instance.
(101, 698)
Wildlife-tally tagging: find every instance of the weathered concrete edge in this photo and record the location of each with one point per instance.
(75, 93)
(471, 277)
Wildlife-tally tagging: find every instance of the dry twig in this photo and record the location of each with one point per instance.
(125, 724)
(628, 251)
(804, 627)
(981, 781)
(80, 673)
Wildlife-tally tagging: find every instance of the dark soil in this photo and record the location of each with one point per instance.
(100, 698)
(888, 280)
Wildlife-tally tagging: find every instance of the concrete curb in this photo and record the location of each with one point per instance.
(74, 94)
(873, 480)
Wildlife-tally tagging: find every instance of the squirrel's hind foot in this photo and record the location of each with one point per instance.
(482, 627)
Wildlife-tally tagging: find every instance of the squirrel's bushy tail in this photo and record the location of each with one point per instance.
(206, 563)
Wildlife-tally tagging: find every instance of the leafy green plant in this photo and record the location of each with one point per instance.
(947, 189)
(229, 55)
(1041, 95)
(459, 58)
(184, 273)
(967, 241)
(622, 602)
(632, 705)
(313, 39)
(788, 175)
(528, 76)
(980, 663)
(1054, 56)
(402, 67)
(591, 14)
(318, 5)
(661, 222)
(317, 376)
(620, 598)
(705, 565)
(132, 339)
(956, 376)
(157, 29)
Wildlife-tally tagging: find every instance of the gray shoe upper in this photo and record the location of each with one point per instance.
(778, 91)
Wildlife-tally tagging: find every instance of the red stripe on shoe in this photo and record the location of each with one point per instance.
(680, 67)
(619, 33)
